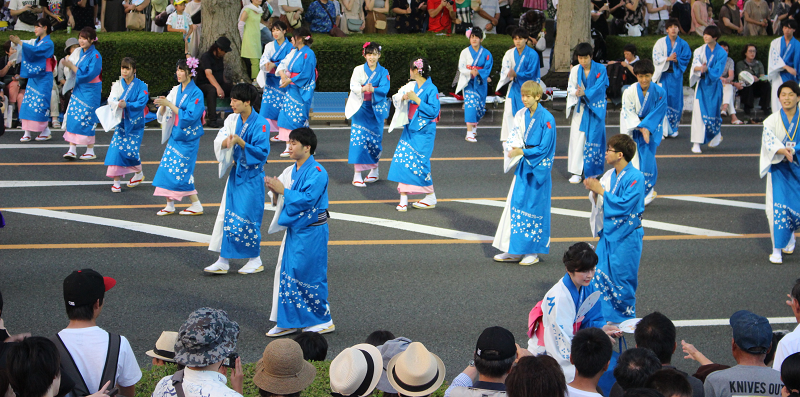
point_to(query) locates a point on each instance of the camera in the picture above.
(230, 361)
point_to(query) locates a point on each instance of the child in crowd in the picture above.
(180, 22)
(586, 90)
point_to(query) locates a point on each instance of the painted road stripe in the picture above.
(38, 145)
(55, 183)
(725, 321)
(709, 200)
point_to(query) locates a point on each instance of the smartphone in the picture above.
(113, 392)
(230, 361)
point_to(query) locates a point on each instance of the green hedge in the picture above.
(155, 55)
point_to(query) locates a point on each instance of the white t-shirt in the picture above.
(662, 15)
(181, 22)
(789, 345)
(19, 4)
(88, 347)
(288, 3)
(491, 7)
(573, 392)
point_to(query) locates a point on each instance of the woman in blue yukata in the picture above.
(37, 67)
(129, 98)
(367, 108)
(273, 97)
(474, 67)
(181, 114)
(298, 75)
(708, 64)
(417, 105)
(80, 118)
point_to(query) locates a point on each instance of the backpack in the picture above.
(69, 368)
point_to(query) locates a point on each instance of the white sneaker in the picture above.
(277, 331)
(217, 268)
(321, 328)
(506, 257)
(696, 148)
(574, 179)
(529, 259)
(254, 265)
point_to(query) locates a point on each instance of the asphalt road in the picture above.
(418, 282)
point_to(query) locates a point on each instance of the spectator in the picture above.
(440, 14)
(353, 16)
(730, 23)
(250, 31)
(14, 87)
(700, 17)
(321, 16)
(4, 335)
(211, 78)
(30, 7)
(682, 11)
(112, 16)
(657, 16)
(617, 23)
(158, 6)
(540, 5)
(88, 344)
(752, 337)
(487, 16)
(634, 13)
(55, 12)
(164, 351)
(634, 366)
(81, 14)
(657, 332)
(314, 346)
(409, 15)
(376, 11)
(758, 88)
(463, 16)
(193, 8)
(416, 372)
(728, 92)
(538, 376)
(205, 341)
(377, 338)
(289, 10)
(71, 45)
(281, 371)
(599, 25)
(780, 11)
(790, 375)
(266, 31)
(623, 77)
(495, 354)
(756, 17)
(389, 350)
(180, 22)
(32, 368)
(790, 344)
(533, 21)
(356, 370)
(591, 353)
(671, 383)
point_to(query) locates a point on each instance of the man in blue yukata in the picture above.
(617, 207)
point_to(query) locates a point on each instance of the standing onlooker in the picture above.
(211, 78)
(756, 17)
(289, 10)
(790, 344)
(353, 16)
(657, 16)
(193, 8)
(376, 11)
(616, 26)
(599, 25)
(250, 32)
(463, 17)
(55, 11)
(440, 15)
(759, 88)
(700, 17)
(487, 16)
(321, 15)
(634, 13)
(30, 7)
(780, 11)
(180, 22)
(81, 14)
(682, 11)
(506, 18)
(730, 23)
(158, 6)
(409, 15)
(112, 16)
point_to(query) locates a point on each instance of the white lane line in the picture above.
(134, 226)
(725, 321)
(38, 145)
(54, 183)
(646, 223)
(709, 200)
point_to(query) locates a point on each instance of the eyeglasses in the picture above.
(611, 150)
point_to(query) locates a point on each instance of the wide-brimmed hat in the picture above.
(416, 371)
(70, 42)
(282, 370)
(388, 350)
(165, 347)
(356, 370)
(207, 337)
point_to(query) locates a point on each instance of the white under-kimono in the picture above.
(783, 178)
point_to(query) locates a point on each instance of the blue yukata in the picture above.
(475, 91)
(274, 95)
(411, 163)
(366, 129)
(706, 117)
(783, 177)
(294, 113)
(526, 66)
(175, 173)
(781, 54)
(244, 192)
(587, 135)
(37, 67)
(301, 282)
(644, 110)
(80, 117)
(669, 75)
(123, 152)
(525, 224)
(620, 247)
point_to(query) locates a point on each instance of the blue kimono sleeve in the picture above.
(302, 198)
(656, 114)
(307, 73)
(138, 104)
(487, 67)
(547, 126)
(381, 88)
(625, 201)
(255, 152)
(684, 57)
(717, 67)
(191, 110)
(89, 69)
(597, 92)
(530, 70)
(594, 318)
(429, 108)
(37, 53)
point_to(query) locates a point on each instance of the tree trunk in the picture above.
(574, 20)
(221, 18)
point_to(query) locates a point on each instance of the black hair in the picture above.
(776, 337)
(656, 332)
(642, 392)
(245, 93)
(379, 337)
(182, 65)
(129, 63)
(539, 376)
(303, 32)
(7, 46)
(643, 66)
(724, 44)
(672, 22)
(634, 366)
(426, 67)
(305, 136)
(630, 47)
(88, 33)
(795, 292)
(790, 374)
(521, 33)
(493, 368)
(82, 312)
(747, 47)
(591, 351)
(580, 257)
(670, 383)
(476, 31)
(789, 23)
(32, 366)
(583, 49)
(712, 31)
(45, 23)
(792, 85)
(280, 25)
(624, 144)
(264, 393)
(372, 48)
(314, 345)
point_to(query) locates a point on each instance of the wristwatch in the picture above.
(471, 363)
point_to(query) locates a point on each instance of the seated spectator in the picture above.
(790, 376)
(634, 366)
(409, 15)
(376, 11)
(670, 382)
(789, 345)
(356, 370)
(657, 332)
(440, 15)
(591, 353)
(538, 376)
(682, 11)
(756, 17)
(492, 360)
(621, 77)
(211, 79)
(88, 344)
(760, 87)
(487, 16)
(389, 350)
(701, 18)
(164, 352)
(31, 7)
(321, 15)
(728, 91)
(376, 338)
(752, 337)
(657, 16)
(729, 21)
(205, 340)
(281, 371)
(314, 345)
(81, 13)
(415, 372)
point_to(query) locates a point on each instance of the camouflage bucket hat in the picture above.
(207, 337)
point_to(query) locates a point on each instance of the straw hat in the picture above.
(282, 370)
(165, 347)
(356, 370)
(416, 371)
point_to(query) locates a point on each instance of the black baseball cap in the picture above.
(85, 286)
(496, 343)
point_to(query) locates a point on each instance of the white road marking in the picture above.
(54, 183)
(38, 145)
(725, 321)
(710, 200)
(646, 223)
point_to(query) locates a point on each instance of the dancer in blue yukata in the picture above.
(708, 65)
(617, 207)
(80, 115)
(784, 60)
(242, 142)
(180, 114)
(300, 289)
(37, 66)
(779, 164)
(367, 107)
(671, 57)
(520, 64)
(586, 92)
(524, 229)
(474, 66)
(298, 76)
(644, 113)
(273, 97)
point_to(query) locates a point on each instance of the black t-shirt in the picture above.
(683, 13)
(216, 65)
(794, 13)
(84, 16)
(619, 13)
(601, 25)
